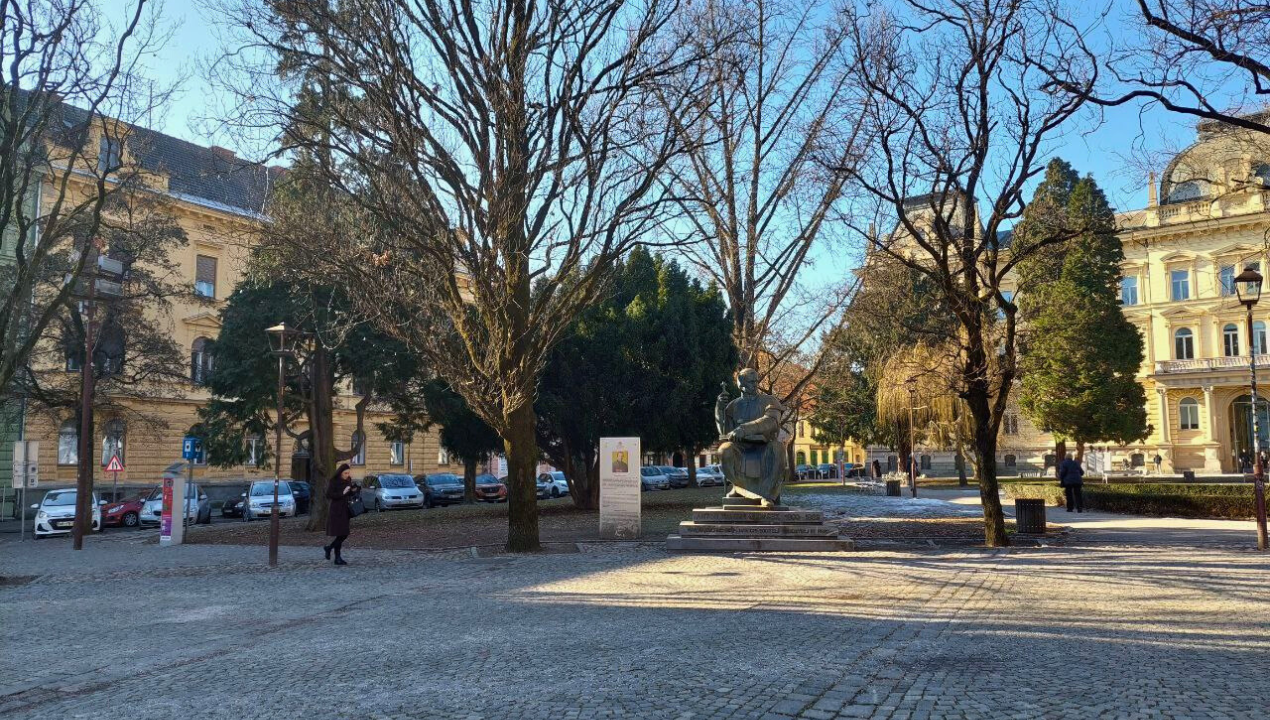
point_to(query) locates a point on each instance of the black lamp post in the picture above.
(911, 385)
(282, 342)
(1248, 287)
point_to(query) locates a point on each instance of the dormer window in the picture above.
(109, 154)
(1187, 191)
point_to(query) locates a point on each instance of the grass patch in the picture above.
(1199, 500)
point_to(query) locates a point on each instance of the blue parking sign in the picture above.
(192, 449)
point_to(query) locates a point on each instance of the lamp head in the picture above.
(1248, 286)
(282, 339)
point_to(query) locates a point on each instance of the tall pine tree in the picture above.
(1078, 374)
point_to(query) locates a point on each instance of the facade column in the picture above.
(1164, 414)
(1212, 447)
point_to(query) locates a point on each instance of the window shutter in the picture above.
(205, 270)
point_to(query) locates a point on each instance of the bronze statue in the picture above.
(752, 452)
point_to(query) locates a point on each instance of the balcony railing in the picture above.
(1164, 367)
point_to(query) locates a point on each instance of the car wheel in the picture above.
(378, 507)
(555, 492)
(130, 520)
(428, 503)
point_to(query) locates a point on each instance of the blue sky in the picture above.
(1103, 151)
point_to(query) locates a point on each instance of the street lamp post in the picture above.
(1248, 287)
(911, 384)
(282, 340)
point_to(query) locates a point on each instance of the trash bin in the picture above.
(1188, 476)
(892, 488)
(1029, 516)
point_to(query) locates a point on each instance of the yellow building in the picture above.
(217, 199)
(808, 450)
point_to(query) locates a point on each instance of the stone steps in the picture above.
(678, 543)
(715, 529)
(758, 517)
(746, 527)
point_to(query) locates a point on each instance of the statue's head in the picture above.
(747, 380)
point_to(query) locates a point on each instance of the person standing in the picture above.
(339, 492)
(1071, 476)
(1159, 462)
(877, 469)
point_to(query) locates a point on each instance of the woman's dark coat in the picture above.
(337, 513)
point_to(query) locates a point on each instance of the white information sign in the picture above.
(619, 488)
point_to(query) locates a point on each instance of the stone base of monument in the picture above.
(743, 525)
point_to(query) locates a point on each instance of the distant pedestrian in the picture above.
(1159, 462)
(1071, 477)
(339, 492)
(877, 470)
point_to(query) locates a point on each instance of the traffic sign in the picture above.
(192, 449)
(114, 465)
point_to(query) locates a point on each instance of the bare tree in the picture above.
(755, 200)
(508, 153)
(68, 77)
(958, 124)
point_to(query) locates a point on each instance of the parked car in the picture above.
(124, 513)
(859, 472)
(652, 478)
(489, 489)
(708, 476)
(828, 471)
(386, 492)
(300, 490)
(258, 500)
(233, 507)
(440, 489)
(55, 514)
(552, 485)
(197, 507)
(678, 476)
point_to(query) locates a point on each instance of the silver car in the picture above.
(386, 492)
(708, 476)
(652, 478)
(258, 500)
(198, 509)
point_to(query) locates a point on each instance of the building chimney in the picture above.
(1152, 199)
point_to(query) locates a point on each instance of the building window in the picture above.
(360, 386)
(925, 462)
(205, 276)
(112, 441)
(1129, 291)
(443, 456)
(800, 458)
(397, 453)
(200, 361)
(68, 444)
(254, 446)
(1011, 424)
(1010, 461)
(1259, 337)
(1137, 460)
(802, 429)
(1180, 280)
(1189, 190)
(109, 154)
(359, 448)
(1230, 340)
(1227, 275)
(1188, 413)
(815, 458)
(1183, 345)
(74, 357)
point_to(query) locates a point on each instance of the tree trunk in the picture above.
(1060, 452)
(321, 436)
(690, 463)
(521, 447)
(960, 460)
(1080, 451)
(985, 442)
(469, 481)
(791, 467)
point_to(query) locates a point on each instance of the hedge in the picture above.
(1175, 499)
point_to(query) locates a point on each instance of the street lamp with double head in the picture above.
(1248, 288)
(282, 343)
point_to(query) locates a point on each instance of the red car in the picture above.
(125, 513)
(489, 489)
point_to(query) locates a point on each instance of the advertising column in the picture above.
(171, 522)
(619, 488)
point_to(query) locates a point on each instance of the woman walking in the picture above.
(339, 492)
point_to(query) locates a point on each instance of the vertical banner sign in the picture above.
(619, 488)
(165, 520)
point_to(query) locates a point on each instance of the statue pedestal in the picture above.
(742, 525)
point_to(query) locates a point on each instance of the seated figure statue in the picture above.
(751, 450)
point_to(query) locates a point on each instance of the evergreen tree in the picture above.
(1078, 374)
(463, 433)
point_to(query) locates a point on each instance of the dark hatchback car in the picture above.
(233, 507)
(440, 489)
(678, 476)
(303, 495)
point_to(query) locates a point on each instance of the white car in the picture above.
(385, 492)
(197, 507)
(55, 514)
(652, 478)
(552, 485)
(258, 501)
(707, 476)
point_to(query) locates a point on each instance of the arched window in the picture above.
(925, 462)
(800, 458)
(1010, 461)
(1183, 344)
(200, 361)
(112, 441)
(1259, 337)
(1188, 413)
(1185, 191)
(359, 445)
(815, 457)
(1230, 340)
(68, 443)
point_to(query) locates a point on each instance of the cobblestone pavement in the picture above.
(124, 630)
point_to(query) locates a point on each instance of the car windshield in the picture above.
(444, 480)
(60, 498)
(396, 481)
(262, 489)
(485, 480)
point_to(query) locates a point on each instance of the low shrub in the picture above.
(1176, 499)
